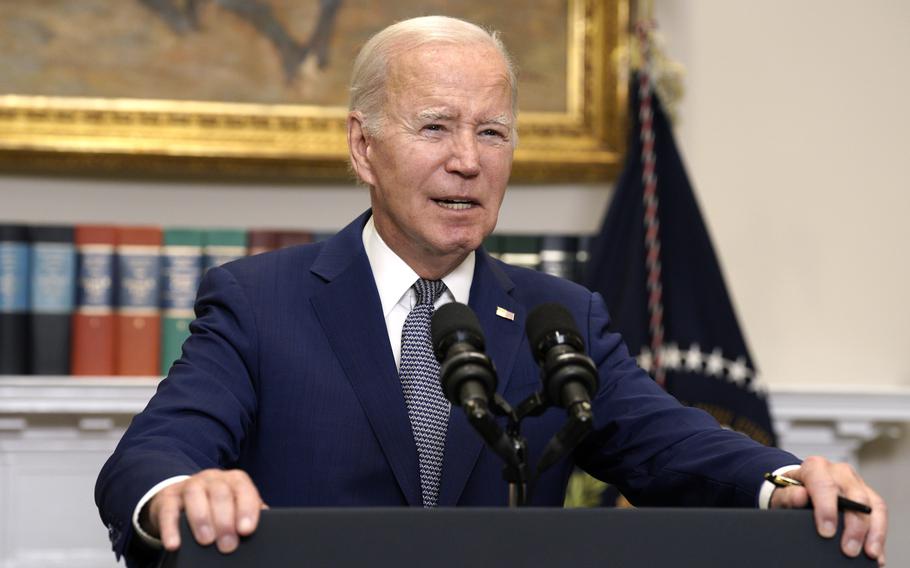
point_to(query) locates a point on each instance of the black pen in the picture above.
(843, 504)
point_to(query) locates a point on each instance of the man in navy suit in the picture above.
(288, 390)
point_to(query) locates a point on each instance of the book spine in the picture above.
(581, 258)
(223, 246)
(53, 284)
(320, 236)
(92, 351)
(557, 255)
(292, 238)
(181, 269)
(14, 301)
(521, 250)
(493, 245)
(261, 240)
(137, 319)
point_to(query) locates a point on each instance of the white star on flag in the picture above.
(694, 358)
(644, 360)
(715, 366)
(739, 371)
(671, 357)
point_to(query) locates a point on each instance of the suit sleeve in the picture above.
(200, 414)
(657, 451)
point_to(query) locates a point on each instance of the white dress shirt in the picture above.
(394, 281)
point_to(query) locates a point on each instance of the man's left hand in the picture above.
(822, 482)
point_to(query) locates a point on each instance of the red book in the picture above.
(265, 240)
(261, 240)
(93, 319)
(293, 238)
(137, 319)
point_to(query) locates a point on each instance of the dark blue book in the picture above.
(14, 272)
(557, 255)
(52, 263)
(582, 255)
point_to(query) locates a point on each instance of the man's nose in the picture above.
(465, 158)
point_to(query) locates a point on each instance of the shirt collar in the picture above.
(394, 277)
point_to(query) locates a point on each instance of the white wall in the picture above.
(795, 129)
(535, 209)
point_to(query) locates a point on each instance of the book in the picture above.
(261, 240)
(223, 246)
(557, 255)
(264, 240)
(137, 319)
(493, 245)
(320, 236)
(292, 238)
(52, 293)
(14, 301)
(520, 250)
(92, 351)
(581, 258)
(181, 270)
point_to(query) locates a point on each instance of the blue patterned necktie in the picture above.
(419, 372)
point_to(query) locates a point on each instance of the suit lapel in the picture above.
(349, 310)
(489, 291)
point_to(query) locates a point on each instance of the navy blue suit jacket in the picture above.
(288, 374)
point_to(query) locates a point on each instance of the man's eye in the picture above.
(434, 127)
(492, 132)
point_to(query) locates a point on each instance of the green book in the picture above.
(223, 245)
(493, 245)
(181, 270)
(521, 250)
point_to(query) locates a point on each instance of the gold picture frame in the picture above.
(131, 136)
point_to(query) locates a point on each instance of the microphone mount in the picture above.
(468, 379)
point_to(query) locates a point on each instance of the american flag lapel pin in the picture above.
(504, 313)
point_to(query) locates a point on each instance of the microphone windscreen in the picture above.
(546, 319)
(454, 317)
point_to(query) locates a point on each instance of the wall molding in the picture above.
(836, 421)
(75, 395)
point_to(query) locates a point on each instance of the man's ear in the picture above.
(358, 146)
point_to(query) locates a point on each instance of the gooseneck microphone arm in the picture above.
(569, 376)
(468, 380)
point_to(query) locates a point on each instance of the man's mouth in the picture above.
(455, 204)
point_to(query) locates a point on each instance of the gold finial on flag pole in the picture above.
(667, 75)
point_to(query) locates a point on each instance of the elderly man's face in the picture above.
(441, 164)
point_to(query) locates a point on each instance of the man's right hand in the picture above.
(220, 506)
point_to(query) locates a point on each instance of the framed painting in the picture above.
(258, 88)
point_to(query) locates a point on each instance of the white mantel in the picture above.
(55, 434)
(835, 421)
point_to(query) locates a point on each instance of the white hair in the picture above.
(368, 80)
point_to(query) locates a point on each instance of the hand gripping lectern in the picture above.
(526, 538)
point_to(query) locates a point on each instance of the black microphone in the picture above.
(569, 376)
(467, 375)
